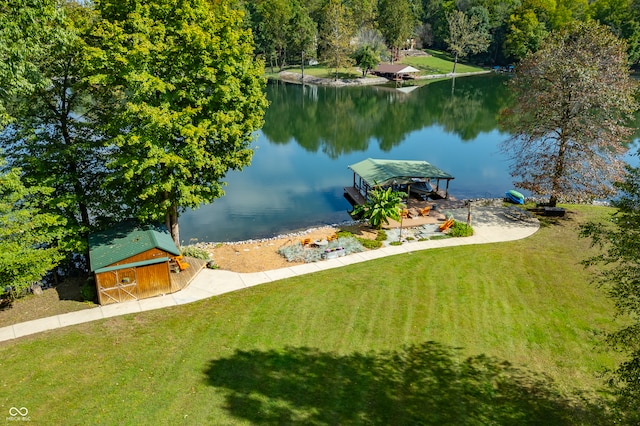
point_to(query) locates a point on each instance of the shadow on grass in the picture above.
(420, 384)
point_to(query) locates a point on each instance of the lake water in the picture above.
(312, 134)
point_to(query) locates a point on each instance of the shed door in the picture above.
(118, 286)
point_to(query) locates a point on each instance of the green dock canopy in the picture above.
(390, 172)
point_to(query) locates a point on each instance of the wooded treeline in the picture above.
(293, 31)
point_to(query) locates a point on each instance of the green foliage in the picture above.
(366, 58)
(28, 236)
(466, 35)
(381, 235)
(344, 234)
(195, 252)
(460, 229)
(26, 29)
(396, 21)
(189, 98)
(525, 34)
(370, 244)
(55, 136)
(382, 205)
(619, 242)
(573, 98)
(88, 291)
(336, 32)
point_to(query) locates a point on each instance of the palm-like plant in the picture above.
(382, 205)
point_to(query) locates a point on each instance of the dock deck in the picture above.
(356, 198)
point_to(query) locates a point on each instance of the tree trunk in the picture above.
(557, 173)
(171, 221)
(455, 62)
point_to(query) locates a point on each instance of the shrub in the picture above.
(195, 252)
(460, 229)
(88, 291)
(370, 244)
(344, 234)
(382, 235)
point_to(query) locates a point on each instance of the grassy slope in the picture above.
(312, 348)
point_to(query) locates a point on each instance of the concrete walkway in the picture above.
(490, 225)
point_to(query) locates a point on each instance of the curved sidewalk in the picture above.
(490, 225)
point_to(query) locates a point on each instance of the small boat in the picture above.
(422, 189)
(514, 196)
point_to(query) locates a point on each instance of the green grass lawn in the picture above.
(438, 63)
(489, 334)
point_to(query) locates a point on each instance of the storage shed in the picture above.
(131, 262)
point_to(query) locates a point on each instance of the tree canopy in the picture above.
(28, 236)
(512, 27)
(466, 36)
(336, 32)
(573, 98)
(619, 244)
(189, 98)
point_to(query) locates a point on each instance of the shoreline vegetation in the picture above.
(433, 65)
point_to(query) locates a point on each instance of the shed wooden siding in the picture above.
(151, 280)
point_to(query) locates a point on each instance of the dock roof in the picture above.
(395, 69)
(388, 172)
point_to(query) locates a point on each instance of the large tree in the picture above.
(28, 236)
(573, 98)
(619, 275)
(190, 97)
(303, 33)
(53, 133)
(274, 29)
(397, 22)
(336, 32)
(466, 35)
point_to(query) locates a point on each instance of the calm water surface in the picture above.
(312, 134)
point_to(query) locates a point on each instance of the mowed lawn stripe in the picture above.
(226, 359)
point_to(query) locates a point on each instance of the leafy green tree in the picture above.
(54, 133)
(28, 236)
(189, 97)
(364, 13)
(276, 16)
(623, 17)
(381, 205)
(619, 275)
(337, 29)
(525, 34)
(397, 22)
(573, 98)
(435, 15)
(303, 33)
(366, 58)
(25, 28)
(465, 36)
(567, 11)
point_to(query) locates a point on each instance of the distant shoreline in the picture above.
(296, 78)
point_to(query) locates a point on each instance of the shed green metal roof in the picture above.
(388, 172)
(126, 240)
